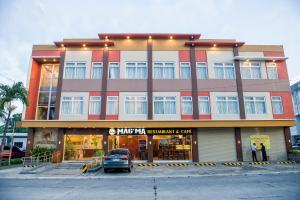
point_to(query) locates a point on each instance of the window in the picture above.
(75, 70)
(224, 71)
(255, 105)
(18, 144)
(114, 70)
(227, 105)
(201, 71)
(164, 105)
(136, 70)
(95, 105)
(277, 105)
(272, 71)
(136, 105)
(251, 70)
(164, 70)
(203, 105)
(97, 70)
(72, 105)
(187, 105)
(185, 70)
(112, 105)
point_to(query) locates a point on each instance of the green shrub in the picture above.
(100, 153)
(41, 150)
(294, 151)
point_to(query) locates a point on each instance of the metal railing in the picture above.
(37, 160)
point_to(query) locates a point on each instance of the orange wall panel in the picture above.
(200, 56)
(114, 56)
(281, 65)
(33, 90)
(97, 56)
(288, 110)
(184, 56)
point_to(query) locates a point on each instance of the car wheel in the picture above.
(105, 170)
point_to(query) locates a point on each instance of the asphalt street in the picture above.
(280, 186)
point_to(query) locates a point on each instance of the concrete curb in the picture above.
(141, 177)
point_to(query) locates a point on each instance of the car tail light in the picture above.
(125, 158)
(106, 158)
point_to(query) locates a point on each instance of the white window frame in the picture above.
(273, 100)
(72, 100)
(164, 104)
(136, 66)
(91, 101)
(255, 100)
(225, 65)
(189, 66)
(109, 66)
(135, 99)
(206, 70)
(208, 103)
(250, 66)
(97, 67)
(75, 69)
(227, 100)
(164, 66)
(183, 100)
(272, 65)
(116, 99)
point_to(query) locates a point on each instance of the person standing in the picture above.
(253, 150)
(263, 152)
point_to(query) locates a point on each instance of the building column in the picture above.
(150, 80)
(104, 84)
(194, 83)
(30, 141)
(195, 153)
(287, 137)
(238, 144)
(59, 84)
(150, 148)
(60, 144)
(105, 141)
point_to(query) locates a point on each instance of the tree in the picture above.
(8, 95)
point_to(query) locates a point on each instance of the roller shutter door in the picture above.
(216, 144)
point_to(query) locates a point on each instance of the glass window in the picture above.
(72, 105)
(164, 70)
(224, 71)
(203, 105)
(75, 70)
(272, 71)
(136, 105)
(187, 105)
(164, 105)
(97, 70)
(255, 105)
(277, 105)
(136, 70)
(227, 105)
(201, 71)
(185, 70)
(251, 70)
(112, 105)
(114, 70)
(95, 105)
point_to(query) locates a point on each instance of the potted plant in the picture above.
(294, 155)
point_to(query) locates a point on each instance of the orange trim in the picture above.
(200, 56)
(186, 117)
(204, 117)
(288, 110)
(186, 93)
(112, 117)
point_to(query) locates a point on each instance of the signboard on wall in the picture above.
(258, 139)
(150, 131)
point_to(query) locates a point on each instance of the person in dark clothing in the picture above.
(253, 150)
(263, 152)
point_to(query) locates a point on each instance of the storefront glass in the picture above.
(136, 144)
(82, 147)
(172, 147)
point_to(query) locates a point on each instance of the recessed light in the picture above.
(273, 60)
(105, 45)
(54, 60)
(150, 37)
(215, 45)
(62, 45)
(44, 60)
(247, 60)
(84, 45)
(171, 37)
(128, 37)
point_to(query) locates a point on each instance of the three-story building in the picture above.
(162, 96)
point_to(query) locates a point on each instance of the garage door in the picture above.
(277, 143)
(216, 144)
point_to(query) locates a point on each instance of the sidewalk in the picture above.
(73, 171)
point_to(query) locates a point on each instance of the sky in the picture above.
(27, 22)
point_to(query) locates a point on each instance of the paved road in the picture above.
(281, 186)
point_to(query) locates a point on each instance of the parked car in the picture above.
(16, 153)
(117, 159)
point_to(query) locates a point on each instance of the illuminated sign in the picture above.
(168, 131)
(130, 131)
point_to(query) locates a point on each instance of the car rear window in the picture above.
(118, 151)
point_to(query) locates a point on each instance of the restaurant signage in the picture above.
(150, 131)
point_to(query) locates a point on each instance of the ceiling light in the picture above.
(84, 45)
(54, 60)
(171, 37)
(215, 45)
(150, 37)
(247, 60)
(273, 60)
(105, 45)
(106, 37)
(62, 45)
(128, 37)
(44, 60)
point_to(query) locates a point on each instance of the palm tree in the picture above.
(8, 95)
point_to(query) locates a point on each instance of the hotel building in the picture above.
(162, 96)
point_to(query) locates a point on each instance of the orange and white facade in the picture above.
(162, 96)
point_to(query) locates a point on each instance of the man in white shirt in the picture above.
(253, 150)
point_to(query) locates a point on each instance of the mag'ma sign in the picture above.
(127, 131)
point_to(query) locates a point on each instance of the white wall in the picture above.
(122, 114)
(217, 56)
(167, 56)
(176, 116)
(80, 56)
